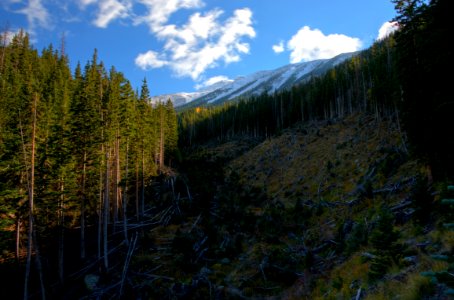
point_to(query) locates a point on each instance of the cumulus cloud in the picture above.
(310, 44)
(212, 81)
(199, 44)
(150, 60)
(204, 40)
(279, 48)
(386, 29)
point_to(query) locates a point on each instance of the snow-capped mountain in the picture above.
(183, 98)
(255, 84)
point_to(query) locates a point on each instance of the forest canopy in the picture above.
(75, 149)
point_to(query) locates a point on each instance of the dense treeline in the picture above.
(75, 150)
(424, 60)
(366, 82)
(401, 76)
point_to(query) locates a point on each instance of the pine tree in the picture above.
(68, 148)
(383, 239)
(171, 138)
(445, 277)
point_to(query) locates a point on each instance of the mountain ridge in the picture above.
(263, 81)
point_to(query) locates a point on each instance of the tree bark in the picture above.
(142, 189)
(61, 239)
(125, 195)
(82, 208)
(118, 176)
(116, 193)
(18, 227)
(31, 189)
(137, 191)
(161, 141)
(100, 206)
(106, 213)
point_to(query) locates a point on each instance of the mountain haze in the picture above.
(269, 81)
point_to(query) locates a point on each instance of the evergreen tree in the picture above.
(86, 137)
(445, 277)
(171, 137)
(423, 56)
(383, 239)
(69, 146)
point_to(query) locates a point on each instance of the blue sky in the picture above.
(183, 45)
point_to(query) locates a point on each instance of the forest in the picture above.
(76, 150)
(104, 195)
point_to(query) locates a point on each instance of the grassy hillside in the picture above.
(326, 210)
(326, 185)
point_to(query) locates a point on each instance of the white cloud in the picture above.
(386, 29)
(37, 15)
(202, 42)
(159, 11)
(108, 10)
(279, 48)
(212, 81)
(6, 37)
(149, 59)
(310, 44)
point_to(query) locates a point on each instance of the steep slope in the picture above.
(327, 161)
(270, 81)
(319, 193)
(326, 210)
(293, 217)
(316, 195)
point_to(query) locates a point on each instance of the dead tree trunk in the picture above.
(82, 208)
(31, 188)
(18, 229)
(116, 187)
(142, 188)
(125, 194)
(118, 176)
(161, 141)
(137, 191)
(106, 213)
(61, 238)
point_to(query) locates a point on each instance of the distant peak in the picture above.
(219, 89)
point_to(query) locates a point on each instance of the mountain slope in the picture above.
(182, 98)
(293, 217)
(254, 84)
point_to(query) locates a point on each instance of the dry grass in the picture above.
(327, 163)
(323, 167)
(318, 161)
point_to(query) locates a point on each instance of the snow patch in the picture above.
(259, 82)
